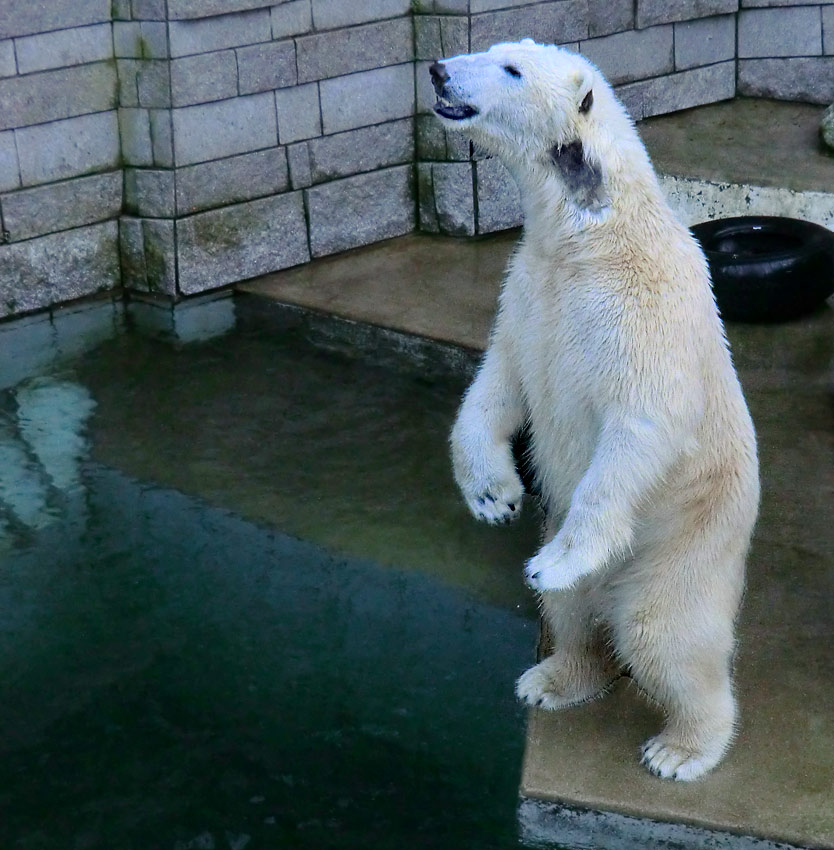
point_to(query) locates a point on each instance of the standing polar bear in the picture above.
(608, 347)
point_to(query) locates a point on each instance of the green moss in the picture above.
(156, 267)
(223, 230)
(143, 48)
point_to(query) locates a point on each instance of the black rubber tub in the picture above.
(767, 268)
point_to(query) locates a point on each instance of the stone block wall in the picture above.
(260, 135)
(660, 55)
(60, 168)
(177, 146)
(786, 50)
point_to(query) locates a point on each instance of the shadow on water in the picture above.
(242, 607)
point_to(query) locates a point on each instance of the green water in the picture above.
(242, 605)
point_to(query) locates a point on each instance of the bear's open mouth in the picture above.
(454, 111)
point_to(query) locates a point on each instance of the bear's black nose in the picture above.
(439, 76)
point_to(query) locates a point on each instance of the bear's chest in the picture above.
(564, 342)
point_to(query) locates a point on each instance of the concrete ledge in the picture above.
(548, 823)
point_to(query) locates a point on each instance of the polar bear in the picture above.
(607, 346)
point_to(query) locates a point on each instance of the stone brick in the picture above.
(241, 241)
(127, 41)
(476, 6)
(298, 158)
(360, 210)
(9, 167)
(203, 78)
(64, 48)
(450, 7)
(231, 180)
(759, 3)
(140, 40)
(148, 255)
(346, 51)
(454, 36)
(127, 71)
(371, 97)
(430, 138)
(23, 17)
(132, 254)
(299, 113)
(454, 201)
(427, 212)
(53, 95)
(458, 147)
(424, 91)
(159, 244)
(135, 133)
(162, 137)
(499, 202)
(828, 30)
(292, 18)
(808, 79)
(632, 55)
(215, 130)
(150, 10)
(779, 32)
(437, 36)
(184, 9)
(70, 148)
(689, 88)
(332, 14)
(8, 66)
(704, 41)
(631, 97)
(153, 83)
(60, 267)
(121, 10)
(609, 16)
(263, 67)
(652, 12)
(367, 149)
(150, 192)
(207, 34)
(558, 22)
(61, 206)
(427, 41)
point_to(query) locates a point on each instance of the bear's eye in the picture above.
(512, 71)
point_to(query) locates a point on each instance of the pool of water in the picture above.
(242, 605)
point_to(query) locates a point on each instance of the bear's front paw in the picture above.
(556, 568)
(496, 503)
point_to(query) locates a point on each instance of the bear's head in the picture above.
(533, 105)
(520, 95)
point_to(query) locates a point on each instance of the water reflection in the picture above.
(42, 448)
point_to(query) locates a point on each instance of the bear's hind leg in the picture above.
(699, 728)
(678, 645)
(581, 667)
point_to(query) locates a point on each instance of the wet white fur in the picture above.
(607, 341)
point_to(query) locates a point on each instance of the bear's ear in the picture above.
(582, 179)
(584, 80)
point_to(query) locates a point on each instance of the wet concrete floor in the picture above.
(754, 141)
(778, 781)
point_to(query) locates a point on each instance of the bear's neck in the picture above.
(554, 210)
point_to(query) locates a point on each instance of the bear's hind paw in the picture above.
(669, 761)
(553, 684)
